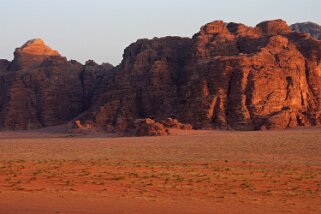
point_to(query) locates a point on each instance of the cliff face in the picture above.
(246, 78)
(145, 85)
(228, 76)
(40, 88)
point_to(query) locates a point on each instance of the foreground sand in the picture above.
(192, 172)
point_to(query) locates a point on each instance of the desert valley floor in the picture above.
(190, 172)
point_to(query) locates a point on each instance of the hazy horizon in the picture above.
(101, 30)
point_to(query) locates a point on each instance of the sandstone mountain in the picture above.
(40, 88)
(227, 76)
(308, 27)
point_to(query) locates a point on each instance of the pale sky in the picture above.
(102, 29)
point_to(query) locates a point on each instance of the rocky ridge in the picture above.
(227, 76)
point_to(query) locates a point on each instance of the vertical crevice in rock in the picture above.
(85, 98)
(139, 103)
(38, 104)
(289, 86)
(312, 104)
(248, 96)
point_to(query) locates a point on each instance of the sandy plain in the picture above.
(189, 172)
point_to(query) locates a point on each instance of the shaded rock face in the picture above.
(228, 76)
(4, 64)
(40, 88)
(145, 85)
(308, 27)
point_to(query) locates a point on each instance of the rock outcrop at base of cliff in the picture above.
(137, 127)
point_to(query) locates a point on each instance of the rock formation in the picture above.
(227, 76)
(311, 28)
(40, 88)
(32, 54)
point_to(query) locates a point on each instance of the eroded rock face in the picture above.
(40, 88)
(228, 76)
(145, 85)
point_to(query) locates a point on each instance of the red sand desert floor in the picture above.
(191, 172)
